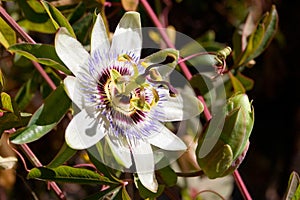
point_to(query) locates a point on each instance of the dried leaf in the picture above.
(8, 162)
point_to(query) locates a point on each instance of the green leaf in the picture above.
(68, 174)
(121, 194)
(204, 59)
(64, 154)
(7, 34)
(42, 53)
(82, 27)
(10, 120)
(45, 118)
(247, 82)
(168, 176)
(10, 115)
(260, 38)
(125, 195)
(237, 44)
(100, 166)
(33, 11)
(237, 85)
(45, 27)
(78, 12)
(6, 103)
(31, 133)
(45, 89)
(202, 83)
(58, 19)
(145, 193)
(254, 41)
(1, 81)
(27, 91)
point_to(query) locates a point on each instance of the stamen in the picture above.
(128, 58)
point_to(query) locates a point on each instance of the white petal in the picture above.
(128, 35)
(84, 130)
(165, 139)
(120, 152)
(70, 51)
(99, 39)
(71, 87)
(178, 108)
(144, 164)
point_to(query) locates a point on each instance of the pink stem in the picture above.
(241, 185)
(188, 75)
(14, 25)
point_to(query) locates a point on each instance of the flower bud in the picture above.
(232, 145)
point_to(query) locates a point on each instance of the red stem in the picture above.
(188, 75)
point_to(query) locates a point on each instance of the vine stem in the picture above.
(32, 157)
(14, 25)
(238, 179)
(241, 185)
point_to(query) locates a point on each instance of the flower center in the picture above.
(127, 96)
